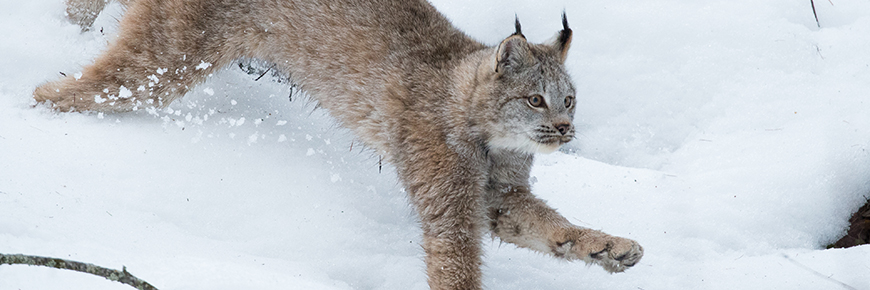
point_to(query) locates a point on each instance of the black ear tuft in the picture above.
(563, 40)
(513, 51)
(518, 26)
(565, 21)
(565, 34)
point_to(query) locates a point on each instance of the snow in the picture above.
(124, 92)
(203, 65)
(728, 137)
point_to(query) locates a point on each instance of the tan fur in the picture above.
(459, 120)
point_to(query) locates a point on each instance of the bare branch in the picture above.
(118, 276)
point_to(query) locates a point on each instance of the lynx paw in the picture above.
(51, 94)
(68, 95)
(615, 254)
(618, 254)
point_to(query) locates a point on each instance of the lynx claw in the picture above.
(618, 255)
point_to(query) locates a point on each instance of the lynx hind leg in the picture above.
(116, 82)
(520, 218)
(92, 92)
(147, 66)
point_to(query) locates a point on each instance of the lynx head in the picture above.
(532, 93)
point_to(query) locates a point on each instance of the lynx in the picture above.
(459, 120)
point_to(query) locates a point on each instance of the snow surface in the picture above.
(728, 137)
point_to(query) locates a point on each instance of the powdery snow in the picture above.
(728, 137)
(202, 65)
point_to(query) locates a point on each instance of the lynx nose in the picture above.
(563, 128)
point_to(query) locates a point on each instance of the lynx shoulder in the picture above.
(458, 119)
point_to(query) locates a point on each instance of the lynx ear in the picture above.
(513, 52)
(563, 39)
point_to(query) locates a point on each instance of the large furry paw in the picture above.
(615, 254)
(71, 95)
(618, 254)
(51, 95)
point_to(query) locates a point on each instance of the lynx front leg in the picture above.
(516, 216)
(451, 238)
(447, 193)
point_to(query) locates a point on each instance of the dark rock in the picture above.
(859, 229)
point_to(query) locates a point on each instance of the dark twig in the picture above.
(264, 73)
(293, 90)
(118, 276)
(813, 4)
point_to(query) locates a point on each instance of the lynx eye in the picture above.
(569, 101)
(536, 101)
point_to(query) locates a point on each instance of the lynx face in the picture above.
(535, 98)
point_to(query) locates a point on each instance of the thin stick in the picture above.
(114, 275)
(813, 4)
(270, 68)
(844, 285)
